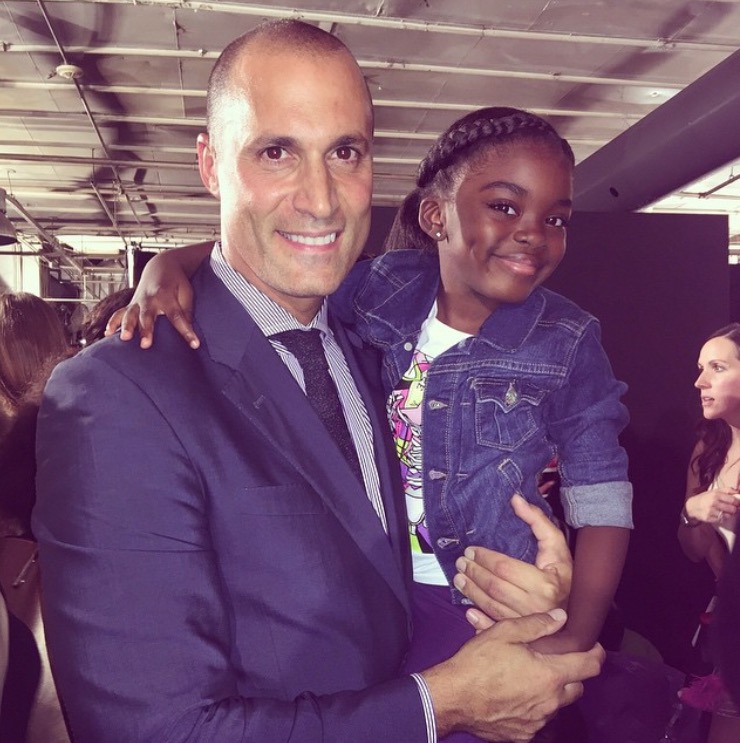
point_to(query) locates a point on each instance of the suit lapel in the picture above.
(266, 394)
(364, 365)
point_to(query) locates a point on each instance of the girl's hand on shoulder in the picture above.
(164, 289)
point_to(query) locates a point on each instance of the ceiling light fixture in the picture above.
(69, 71)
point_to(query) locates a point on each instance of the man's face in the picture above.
(291, 162)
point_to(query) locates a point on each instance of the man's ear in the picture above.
(431, 218)
(207, 164)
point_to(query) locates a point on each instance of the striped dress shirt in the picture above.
(271, 318)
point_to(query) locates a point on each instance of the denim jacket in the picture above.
(533, 384)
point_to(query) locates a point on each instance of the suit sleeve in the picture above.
(136, 620)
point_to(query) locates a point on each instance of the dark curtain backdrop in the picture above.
(659, 283)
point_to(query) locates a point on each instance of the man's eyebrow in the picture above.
(351, 139)
(276, 141)
(344, 140)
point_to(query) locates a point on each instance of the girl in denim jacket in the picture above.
(489, 375)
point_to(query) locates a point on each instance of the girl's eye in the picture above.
(561, 222)
(503, 207)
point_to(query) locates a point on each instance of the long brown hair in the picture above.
(31, 338)
(715, 434)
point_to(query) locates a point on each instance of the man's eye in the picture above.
(346, 153)
(274, 153)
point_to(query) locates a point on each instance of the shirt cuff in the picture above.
(426, 703)
(601, 504)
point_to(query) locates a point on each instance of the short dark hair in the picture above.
(286, 31)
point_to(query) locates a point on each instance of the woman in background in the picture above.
(31, 338)
(709, 516)
(32, 341)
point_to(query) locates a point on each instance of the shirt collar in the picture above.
(270, 317)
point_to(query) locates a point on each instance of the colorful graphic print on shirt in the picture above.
(405, 405)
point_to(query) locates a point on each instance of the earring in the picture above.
(438, 234)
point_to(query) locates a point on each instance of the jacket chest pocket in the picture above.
(507, 412)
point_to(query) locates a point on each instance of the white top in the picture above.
(405, 405)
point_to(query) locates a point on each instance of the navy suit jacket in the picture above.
(212, 570)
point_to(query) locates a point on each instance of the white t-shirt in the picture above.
(405, 405)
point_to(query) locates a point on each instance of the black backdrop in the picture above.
(659, 283)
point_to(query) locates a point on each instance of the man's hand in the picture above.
(498, 688)
(503, 587)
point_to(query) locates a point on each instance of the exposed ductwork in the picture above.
(690, 135)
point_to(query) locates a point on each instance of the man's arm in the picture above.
(498, 688)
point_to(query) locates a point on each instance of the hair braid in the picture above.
(492, 126)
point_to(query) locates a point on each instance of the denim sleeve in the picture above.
(585, 418)
(342, 301)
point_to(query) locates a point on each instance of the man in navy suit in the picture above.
(214, 569)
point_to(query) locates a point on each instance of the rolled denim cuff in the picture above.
(601, 504)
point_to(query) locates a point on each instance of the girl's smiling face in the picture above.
(505, 226)
(719, 380)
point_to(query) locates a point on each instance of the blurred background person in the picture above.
(93, 327)
(31, 337)
(709, 516)
(32, 341)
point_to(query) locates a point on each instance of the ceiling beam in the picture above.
(689, 136)
(396, 64)
(403, 24)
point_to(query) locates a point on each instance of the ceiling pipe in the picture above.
(689, 136)
(262, 11)
(369, 64)
(55, 247)
(85, 106)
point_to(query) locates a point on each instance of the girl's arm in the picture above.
(597, 569)
(164, 289)
(584, 419)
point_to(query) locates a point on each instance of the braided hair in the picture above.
(455, 148)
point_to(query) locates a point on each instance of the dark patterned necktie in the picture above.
(321, 391)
